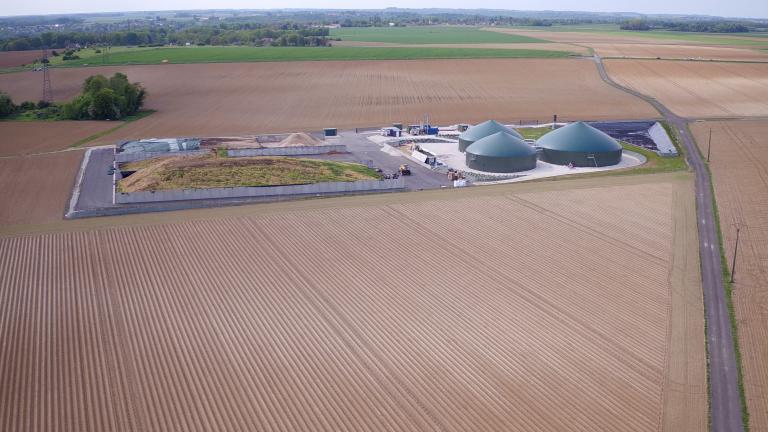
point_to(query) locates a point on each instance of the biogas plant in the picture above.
(492, 152)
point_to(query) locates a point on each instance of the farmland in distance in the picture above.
(428, 35)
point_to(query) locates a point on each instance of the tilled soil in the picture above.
(698, 89)
(681, 52)
(22, 138)
(256, 98)
(36, 189)
(553, 308)
(18, 58)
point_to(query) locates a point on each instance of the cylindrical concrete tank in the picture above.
(482, 130)
(581, 145)
(501, 152)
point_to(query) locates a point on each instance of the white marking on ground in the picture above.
(80, 175)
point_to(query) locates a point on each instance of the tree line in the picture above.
(695, 26)
(223, 34)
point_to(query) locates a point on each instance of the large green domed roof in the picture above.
(501, 144)
(578, 137)
(486, 128)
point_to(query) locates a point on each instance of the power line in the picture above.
(735, 250)
(47, 89)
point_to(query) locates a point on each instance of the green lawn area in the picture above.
(90, 56)
(428, 35)
(533, 133)
(656, 163)
(257, 54)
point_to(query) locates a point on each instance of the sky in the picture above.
(730, 8)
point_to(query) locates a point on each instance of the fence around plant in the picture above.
(138, 156)
(288, 151)
(261, 191)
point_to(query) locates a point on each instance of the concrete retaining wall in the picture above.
(247, 192)
(288, 151)
(132, 157)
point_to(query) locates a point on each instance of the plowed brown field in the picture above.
(21, 138)
(698, 89)
(18, 58)
(232, 99)
(599, 37)
(679, 52)
(739, 165)
(560, 306)
(35, 189)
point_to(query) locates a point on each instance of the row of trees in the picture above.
(8, 108)
(225, 34)
(478, 20)
(636, 25)
(102, 99)
(698, 26)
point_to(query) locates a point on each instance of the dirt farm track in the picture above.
(226, 99)
(739, 165)
(556, 311)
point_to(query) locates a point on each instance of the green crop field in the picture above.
(428, 35)
(255, 54)
(89, 55)
(584, 28)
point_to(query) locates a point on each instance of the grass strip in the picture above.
(132, 118)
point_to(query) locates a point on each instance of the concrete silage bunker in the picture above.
(581, 145)
(482, 130)
(501, 152)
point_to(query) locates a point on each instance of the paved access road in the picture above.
(96, 187)
(725, 403)
(364, 149)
